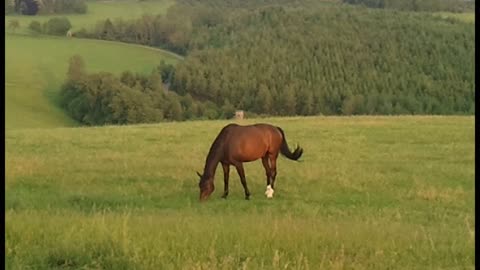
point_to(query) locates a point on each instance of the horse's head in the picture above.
(206, 186)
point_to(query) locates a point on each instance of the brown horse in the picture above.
(237, 144)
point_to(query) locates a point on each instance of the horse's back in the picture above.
(248, 143)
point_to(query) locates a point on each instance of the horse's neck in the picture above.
(212, 161)
(211, 167)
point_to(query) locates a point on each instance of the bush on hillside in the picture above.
(57, 26)
(35, 26)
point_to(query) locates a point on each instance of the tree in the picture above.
(304, 102)
(108, 32)
(174, 110)
(288, 101)
(57, 26)
(35, 26)
(13, 24)
(264, 100)
(76, 68)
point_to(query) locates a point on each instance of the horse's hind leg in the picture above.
(226, 172)
(241, 173)
(273, 168)
(268, 172)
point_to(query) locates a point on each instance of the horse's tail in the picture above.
(286, 151)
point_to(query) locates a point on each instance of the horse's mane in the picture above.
(215, 147)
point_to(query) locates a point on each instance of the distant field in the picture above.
(466, 17)
(370, 193)
(100, 10)
(36, 68)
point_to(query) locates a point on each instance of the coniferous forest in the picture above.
(283, 58)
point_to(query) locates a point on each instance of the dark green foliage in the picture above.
(35, 26)
(26, 7)
(167, 72)
(335, 62)
(57, 26)
(32, 7)
(102, 98)
(265, 59)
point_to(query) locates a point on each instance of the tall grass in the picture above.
(370, 193)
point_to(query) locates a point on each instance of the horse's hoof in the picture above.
(247, 198)
(224, 196)
(269, 192)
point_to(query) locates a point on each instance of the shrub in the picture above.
(57, 26)
(35, 26)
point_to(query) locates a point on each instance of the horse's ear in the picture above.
(199, 174)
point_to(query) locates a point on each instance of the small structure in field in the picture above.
(69, 34)
(239, 114)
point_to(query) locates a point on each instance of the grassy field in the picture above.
(370, 193)
(100, 10)
(466, 17)
(36, 67)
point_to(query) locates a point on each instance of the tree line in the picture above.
(33, 7)
(329, 60)
(103, 98)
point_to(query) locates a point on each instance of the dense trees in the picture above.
(346, 61)
(102, 98)
(55, 26)
(294, 61)
(32, 7)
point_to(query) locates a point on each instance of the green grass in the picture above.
(100, 10)
(465, 17)
(36, 68)
(370, 193)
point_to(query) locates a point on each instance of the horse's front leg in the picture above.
(226, 173)
(241, 173)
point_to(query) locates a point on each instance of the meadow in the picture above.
(468, 17)
(99, 11)
(369, 193)
(36, 67)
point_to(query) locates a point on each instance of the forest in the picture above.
(289, 61)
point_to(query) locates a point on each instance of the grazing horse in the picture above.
(236, 144)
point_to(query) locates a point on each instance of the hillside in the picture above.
(36, 67)
(334, 60)
(301, 58)
(99, 10)
(369, 193)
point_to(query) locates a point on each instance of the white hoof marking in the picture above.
(269, 192)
